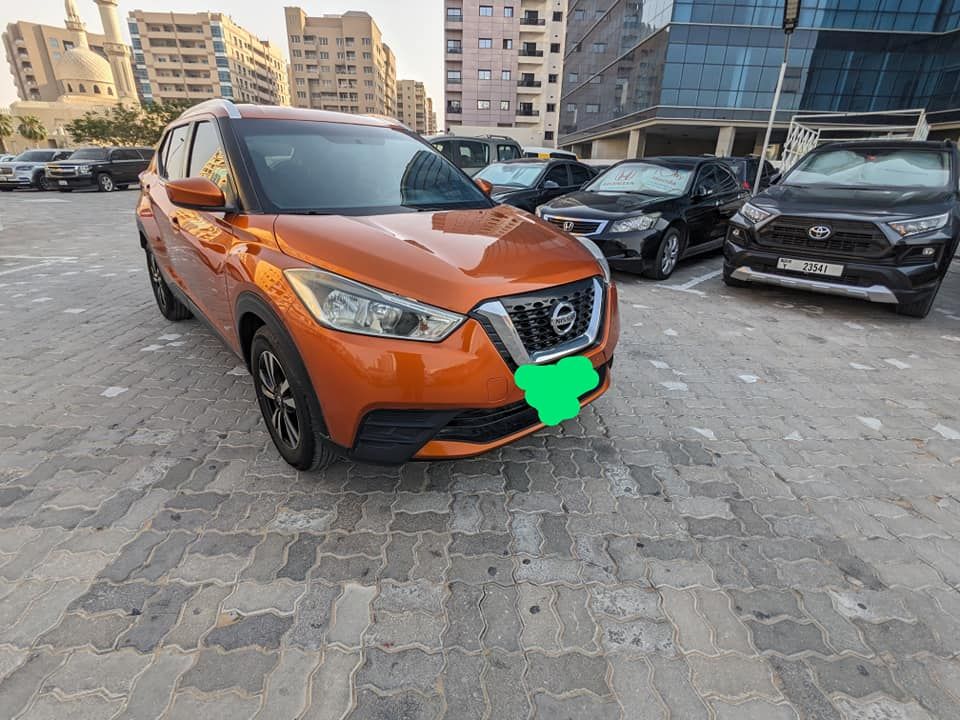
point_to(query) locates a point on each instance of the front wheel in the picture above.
(105, 183)
(919, 308)
(169, 306)
(668, 255)
(288, 403)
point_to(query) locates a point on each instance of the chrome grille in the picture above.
(58, 172)
(6, 171)
(576, 227)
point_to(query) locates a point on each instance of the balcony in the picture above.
(524, 113)
(454, 51)
(529, 83)
(454, 18)
(454, 109)
(537, 22)
(523, 52)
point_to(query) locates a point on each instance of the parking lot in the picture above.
(759, 521)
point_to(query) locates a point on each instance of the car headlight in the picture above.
(919, 225)
(84, 170)
(598, 254)
(539, 210)
(632, 224)
(342, 304)
(753, 213)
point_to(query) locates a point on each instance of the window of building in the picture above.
(219, 47)
(508, 11)
(453, 76)
(596, 79)
(486, 43)
(571, 107)
(579, 14)
(367, 56)
(554, 47)
(508, 44)
(598, 47)
(300, 81)
(505, 75)
(366, 41)
(557, 16)
(552, 78)
(483, 104)
(548, 135)
(484, 75)
(296, 53)
(504, 104)
(486, 10)
(323, 41)
(573, 77)
(551, 107)
(454, 13)
(592, 108)
(294, 38)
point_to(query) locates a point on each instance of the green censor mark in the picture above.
(554, 390)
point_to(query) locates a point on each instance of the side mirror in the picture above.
(550, 185)
(484, 185)
(196, 193)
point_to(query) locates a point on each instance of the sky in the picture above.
(412, 28)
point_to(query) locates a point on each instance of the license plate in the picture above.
(810, 267)
(61, 182)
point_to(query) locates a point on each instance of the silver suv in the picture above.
(27, 169)
(472, 154)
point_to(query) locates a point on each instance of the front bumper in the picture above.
(74, 183)
(16, 181)
(879, 281)
(626, 251)
(389, 402)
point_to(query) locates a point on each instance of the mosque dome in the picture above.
(82, 66)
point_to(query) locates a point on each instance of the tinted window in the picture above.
(707, 180)
(507, 152)
(174, 153)
(126, 155)
(350, 169)
(207, 159)
(145, 153)
(35, 156)
(873, 167)
(95, 154)
(471, 154)
(558, 174)
(579, 174)
(726, 181)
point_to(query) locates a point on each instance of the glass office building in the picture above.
(646, 77)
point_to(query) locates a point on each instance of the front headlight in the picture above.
(598, 254)
(754, 214)
(539, 210)
(919, 225)
(632, 224)
(342, 304)
(84, 170)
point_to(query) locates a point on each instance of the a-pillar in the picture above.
(637, 144)
(725, 141)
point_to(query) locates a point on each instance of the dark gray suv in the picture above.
(472, 154)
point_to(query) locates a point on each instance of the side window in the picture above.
(727, 182)
(126, 155)
(558, 174)
(174, 153)
(471, 154)
(507, 152)
(444, 149)
(207, 159)
(579, 175)
(707, 180)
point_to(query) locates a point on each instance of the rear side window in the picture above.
(579, 174)
(558, 174)
(507, 152)
(726, 180)
(126, 155)
(146, 153)
(207, 159)
(174, 154)
(471, 154)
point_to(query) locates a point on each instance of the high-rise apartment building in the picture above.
(504, 60)
(340, 63)
(32, 54)
(415, 108)
(198, 56)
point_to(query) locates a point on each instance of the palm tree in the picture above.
(6, 128)
(31, 128)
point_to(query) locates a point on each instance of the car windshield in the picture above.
(873, 167)
(341, 168)
(34, 156)
(90, 154)
(643, 179)
(512, 174)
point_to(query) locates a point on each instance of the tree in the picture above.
(6, 128)
(31, 128)
(126, 125)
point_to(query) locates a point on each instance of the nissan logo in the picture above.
(563, 319)
(567, 226)
(820, 232)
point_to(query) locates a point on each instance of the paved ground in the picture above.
(760, 521)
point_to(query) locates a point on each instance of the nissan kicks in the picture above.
(380, 299)
(877, 220)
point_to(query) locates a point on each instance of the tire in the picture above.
(121, 187)
(105, 183)
(65, 189)
(919, 308)
(167, 303)
(287, 402)
(731, 281)
(668, 255)
(46, 184)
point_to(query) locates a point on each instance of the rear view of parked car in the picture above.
(646, 215)
(471, 154)
(878, 221)
(528, 183)
(106, 169)
(26, 170)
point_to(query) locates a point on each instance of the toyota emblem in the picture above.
(567, 226)
(820, 232)
(563, 319)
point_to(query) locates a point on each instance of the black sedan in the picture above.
(646, 215)
(531, 182)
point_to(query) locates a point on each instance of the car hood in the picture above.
(789, 200)
(452, 259)
(588, 204)
(502, 191)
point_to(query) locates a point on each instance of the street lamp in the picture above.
(791, 14)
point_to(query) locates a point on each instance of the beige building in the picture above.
(504, 67)
(76, 80)
(415, 108)
(340, 63)
(198, 56)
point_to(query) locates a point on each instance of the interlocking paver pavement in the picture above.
(761, 520)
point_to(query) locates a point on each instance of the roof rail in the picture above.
(497, 137)
(214, 104)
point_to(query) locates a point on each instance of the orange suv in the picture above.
(379, 298)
